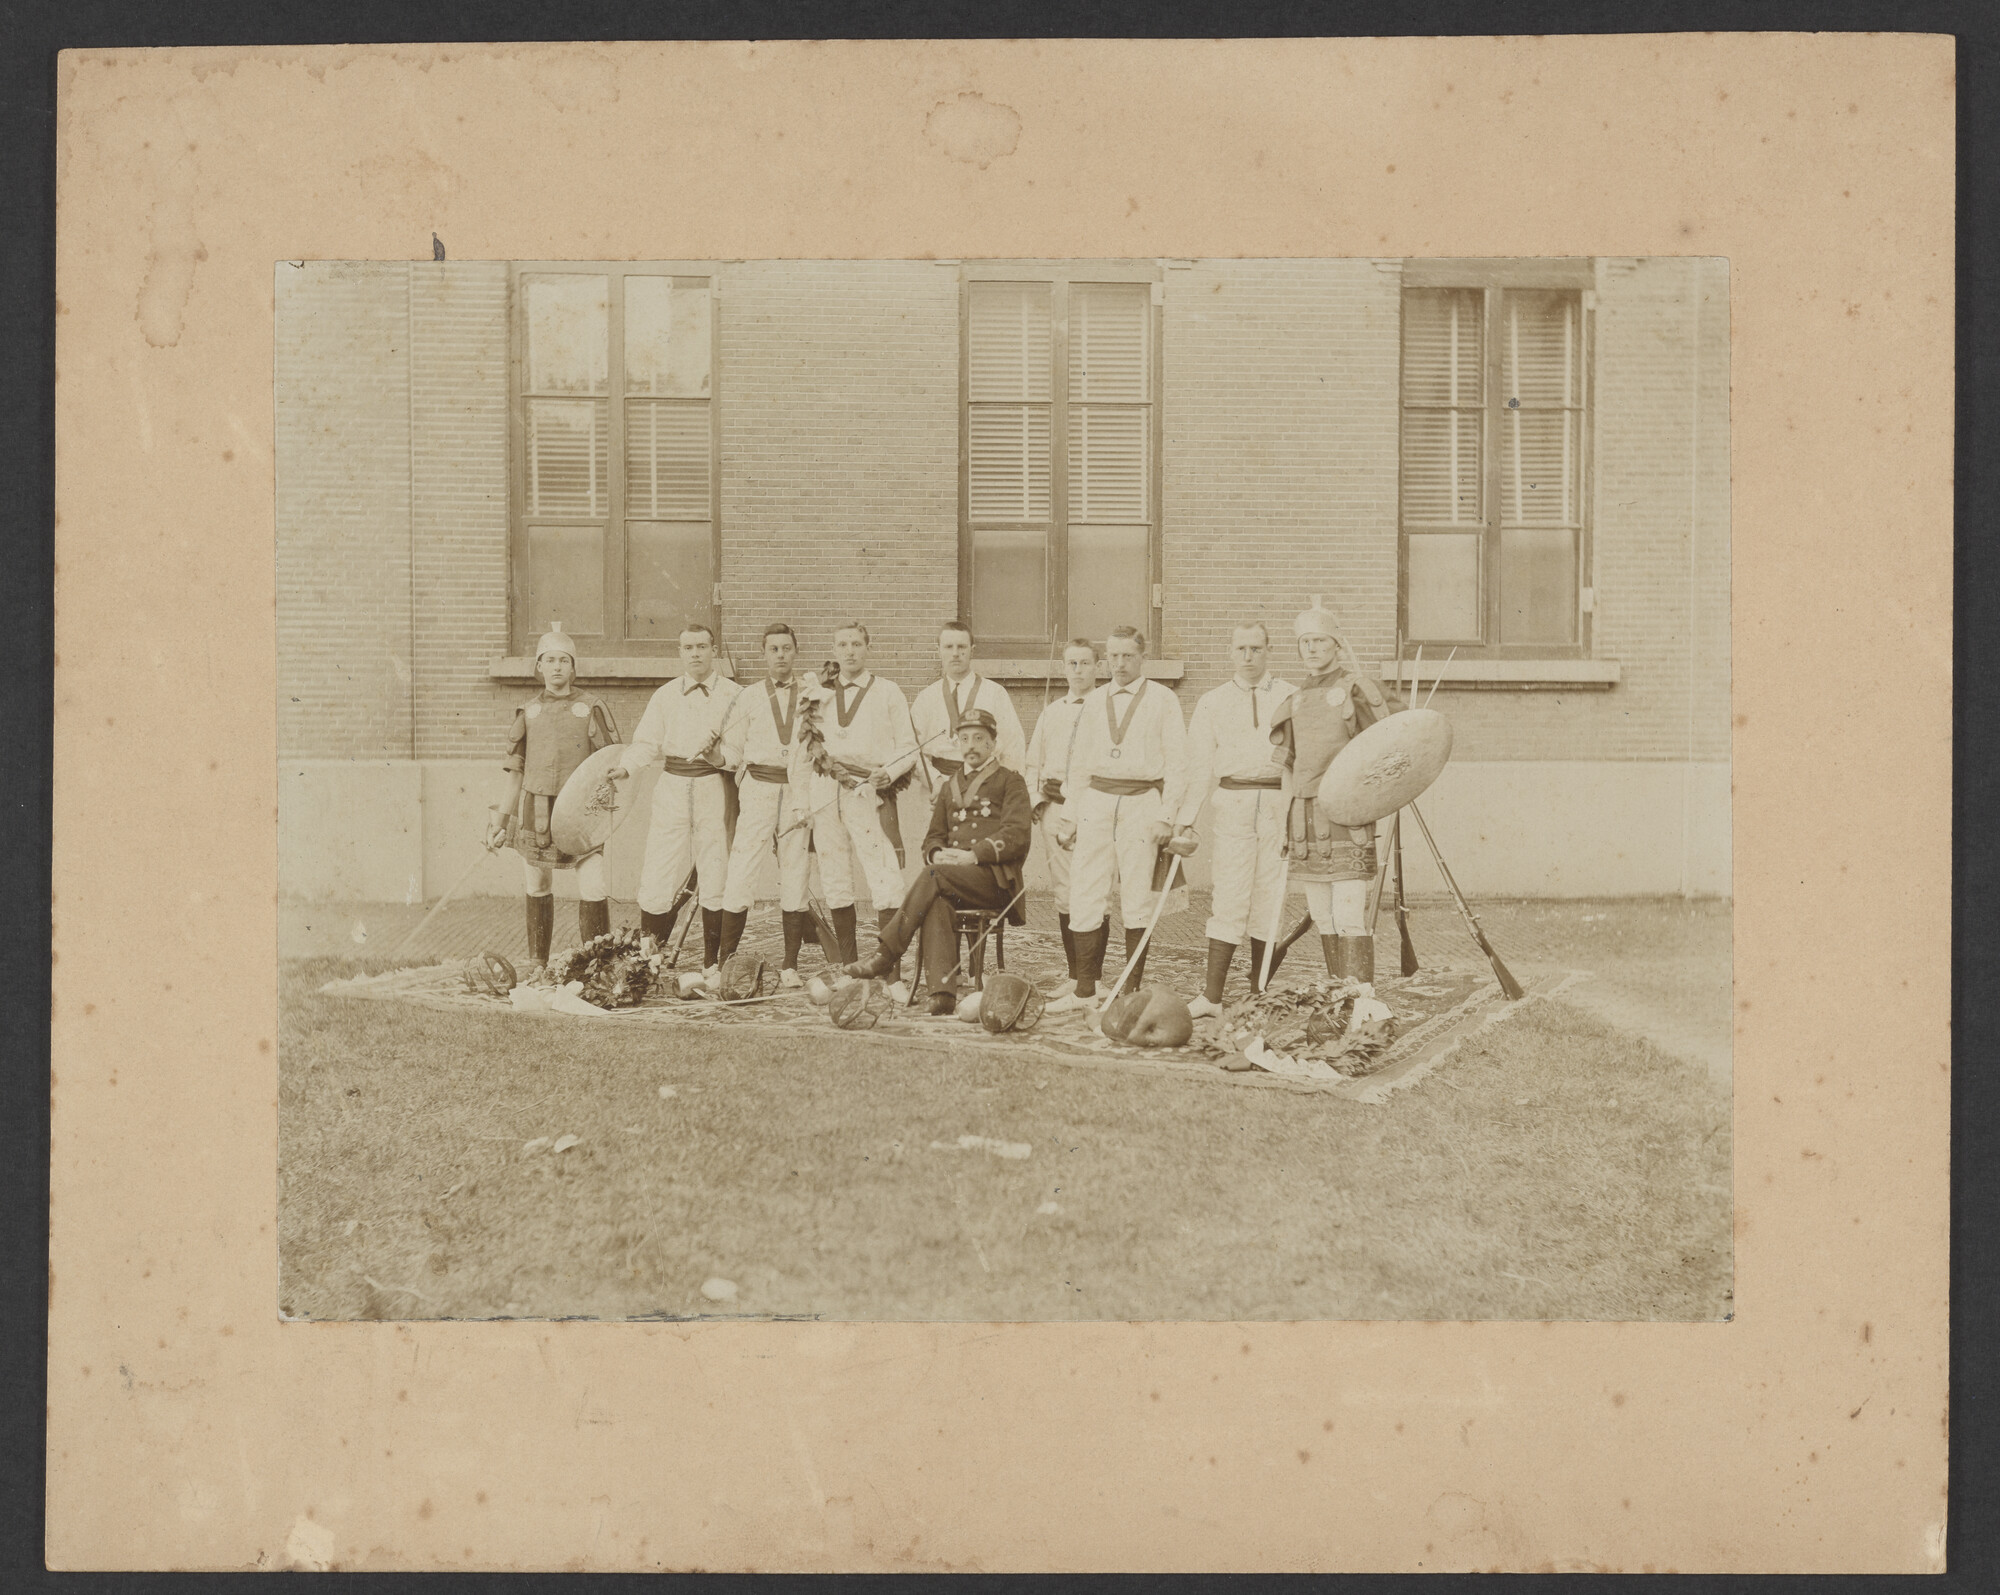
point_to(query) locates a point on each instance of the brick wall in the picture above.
(342, 402)
(838, 396)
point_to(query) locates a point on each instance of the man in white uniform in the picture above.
(681, 731)
(1128, 778)
(1233, 765)
(1049, 753)
(778, 796)
(940, 707)
(866, 724)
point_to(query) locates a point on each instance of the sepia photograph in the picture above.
(1004, 790)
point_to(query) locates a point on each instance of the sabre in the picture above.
(1440, 680)
(857, 783)
(484, 853)
(981, 942)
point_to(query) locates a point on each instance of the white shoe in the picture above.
(1066, 989)
(898, 993)
(789, 979)
(711, 979)
(1070, 1002)
(690, 985)
(1202, 1008)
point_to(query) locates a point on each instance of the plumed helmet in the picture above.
(488, 975)
(1316, 621)
(741, 976)
(1008, 1002)
(851, 1008)
(555, 641)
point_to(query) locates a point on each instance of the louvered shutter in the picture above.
(567, 477)
(669, 454)
(1442, 460)
(1540, 447)
(1109, 460)
(1010, 399)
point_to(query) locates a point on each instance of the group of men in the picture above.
(808, 766)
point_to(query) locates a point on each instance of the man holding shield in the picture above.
(1336, 863)
(553, 733)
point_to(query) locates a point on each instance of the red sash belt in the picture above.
(775, 774)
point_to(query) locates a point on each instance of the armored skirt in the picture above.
(1309, 729)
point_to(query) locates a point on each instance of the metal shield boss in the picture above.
(1387, 766)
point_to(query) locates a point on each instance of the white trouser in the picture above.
(1113, 832)
(589, 878)
(1246, 830)
(855, 819)
(687, 832)
(762, 813)
(1338, 908)
(1058, 856)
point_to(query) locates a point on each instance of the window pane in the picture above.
(1542, 359)
(1010, 581)
(667, 459)
(1008, 462)
(1010, 341)
(1441, 476)
(568, 458)
(1108, 583)
(566, 579)
(1107, 463)
(1538, 461)
(669, 577)
(667, 339)
(569, 325)
(1444, 587)
(1538, 586)
(1109, 327)
(1441, 348)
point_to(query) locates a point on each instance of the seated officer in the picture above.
(972, 855)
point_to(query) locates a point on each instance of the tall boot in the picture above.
(843, 927)
(1336, 956)
(541, 928)
(895, 971)
(1132, 940)
(593, 917)
(795, 935)
(1358, 957)
(711, 936)
(1069, 944)
(1220, 953)
(732, 932)
(658, 926)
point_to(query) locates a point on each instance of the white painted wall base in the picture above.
(395, 831)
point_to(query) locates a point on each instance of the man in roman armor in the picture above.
(978, 839)
(941, 707)
(681, 732)
(778, 795)
(1334, 704)
(1048, 761)
(553, 733)
(1234, 767)
(866, 725)
(1127, 780)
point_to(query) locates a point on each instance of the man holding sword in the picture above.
(1128, 779)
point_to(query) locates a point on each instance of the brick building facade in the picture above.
(1282, 415)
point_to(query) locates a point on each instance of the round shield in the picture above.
(1390, 764)
(591, 804)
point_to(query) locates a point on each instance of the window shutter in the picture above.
(1010, 337)
(667, 457)
(1442, 382)
(567, 455)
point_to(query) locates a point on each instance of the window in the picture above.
(614, 524)
(1059, 454)
(1495, 454)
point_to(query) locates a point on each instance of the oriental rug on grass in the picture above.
(1433, 1010)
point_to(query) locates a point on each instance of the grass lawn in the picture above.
(1555, 1168)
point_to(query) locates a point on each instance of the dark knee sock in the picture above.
(843, 927)
(711, 936)
(541, 927)
(1090, 945)
(1132, 940)
(795, 935)
(883, 918)
(1336, 962)
(732, 932)
(658, 926)
(1069, 945)
(1219, 955)
(593, 918)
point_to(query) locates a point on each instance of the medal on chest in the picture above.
(1117, 753)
